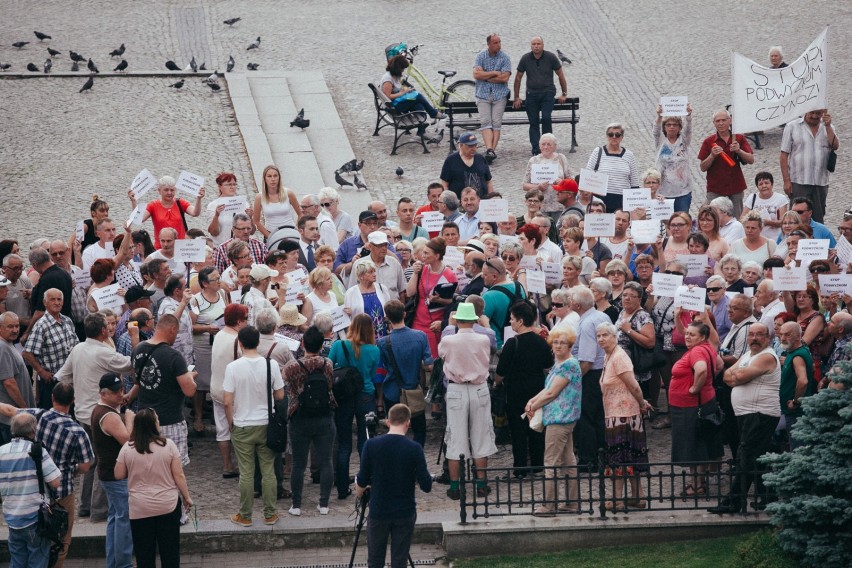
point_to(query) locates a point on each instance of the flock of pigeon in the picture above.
(76, 59)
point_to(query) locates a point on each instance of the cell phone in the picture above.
(190, 368)
(364, 252)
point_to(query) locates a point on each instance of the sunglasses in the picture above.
(714, 289)
(509, 258)
(557, 304)
(818, 269)
(615, 134)
(326, 204)
(674, 272)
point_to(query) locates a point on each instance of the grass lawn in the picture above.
(711, 553)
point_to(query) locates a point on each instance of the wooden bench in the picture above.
(464, 114)
(403, 122)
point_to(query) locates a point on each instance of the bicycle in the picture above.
(460, 91)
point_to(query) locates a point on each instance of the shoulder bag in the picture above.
(52, 521)
(710, 414)
(411, 304)
(644, 360)
(414, 398)
(348, 381)
(276, 430)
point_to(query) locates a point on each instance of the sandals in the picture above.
(619, 507)
(691, 491)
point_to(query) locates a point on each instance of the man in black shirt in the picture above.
(539, 66)
(52, 276)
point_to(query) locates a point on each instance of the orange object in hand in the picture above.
(728, 159)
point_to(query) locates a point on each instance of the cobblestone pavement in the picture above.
(623, 60)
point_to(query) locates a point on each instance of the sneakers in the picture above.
(238, 519)
(295, 511)
(322, 510)
(270, 520)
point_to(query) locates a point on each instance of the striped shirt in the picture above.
(19, 482)
(808, 154)
(51, 341)
(622, 169)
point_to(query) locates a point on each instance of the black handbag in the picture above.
(276, 430)
(644, 360)
(348, 381)
(52, 517)
(411, 305)
(832, 161)
(710, 414)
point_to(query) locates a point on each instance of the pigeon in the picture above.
(436, 139)
(360, 183)
(75, 66)
(88, 85)
(193, 64)
(203, 66)
(340, 181)
(47, 65)
(32, 67)
(41, 36)
(92, 67)
(300, 120)
(53, 52)
(399, 171)
(172, 66)
(562, 57)
(349, 166)
(232, 21)
(76, 57)
(117, 52)
(252, 66)
(215, 87)
(20, 44)
(359, 166)
(177, 85)
(121, 66)
(231, 64)
(254, 45)
(5, 66)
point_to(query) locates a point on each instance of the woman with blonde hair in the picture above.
(357, 350)
(680, 224)
(277, 204)
(324, 256)
(754, 246)
(321, 299)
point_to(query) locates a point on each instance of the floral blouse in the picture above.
(565, 408)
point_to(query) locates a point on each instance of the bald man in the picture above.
(723, 179)
(797, 375)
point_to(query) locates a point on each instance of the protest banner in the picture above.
(432, 220)
(552, 272)
(189, 183)
(673, 106)
(547, 172)
(690, 298)
(107, 298)
(812, 249)
(536, 282)
(637, 198)
(82, 278)
(494, 210)
(143, 183)
(599, 225)
(135, 217)
(666, 285)
(190, 250)
(695, 263)
(339, 319)
(662, 209)
(834, 284)
(789, 278)
(645, 232)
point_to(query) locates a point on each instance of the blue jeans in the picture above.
(419, 103)
(27, 549)
(683, 203)
(539, 103)
(119, 536)
(363, 403)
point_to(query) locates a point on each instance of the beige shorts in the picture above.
(469, 428)
(223, 433)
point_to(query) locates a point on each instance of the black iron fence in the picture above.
(661, 486)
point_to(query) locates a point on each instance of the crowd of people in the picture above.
(114, 347)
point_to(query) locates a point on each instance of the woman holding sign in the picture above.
(103, 275)
(547, 168)
(618, 163)
(277, 204)
(672, 139)
(168, 211)
(429, 273)
(207, 312)
(221, 222)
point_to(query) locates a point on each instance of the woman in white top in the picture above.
(276, 204)
(672, 138)
(618, 163)
(769, 204)
(562, 316)
(175, 301)
(321, 298)
(221, 222)
(548, 157)
(754, 246)
(207, 311)
(330, 202)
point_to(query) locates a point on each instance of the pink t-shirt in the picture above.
(617, 399)
(152, 487)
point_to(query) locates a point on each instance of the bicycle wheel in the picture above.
(461, 91)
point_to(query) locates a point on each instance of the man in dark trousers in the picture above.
(390, 465)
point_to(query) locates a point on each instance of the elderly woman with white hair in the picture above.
(367, 296)
(672, 138)
(618, 163)
(716, 288)
(549, 157)
(601, 289)
(776, 57)
(561, 315)
(168, 211)
(330, 203)
(731, 268)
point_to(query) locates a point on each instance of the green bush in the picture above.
(761, 550)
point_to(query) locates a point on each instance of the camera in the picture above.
(371, 420)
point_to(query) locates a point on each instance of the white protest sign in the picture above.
(432, 220)
(190, 250)
(540, 173)
(494, 210)
(599, 225)
(339, 319)
(673, 106)
(107, 298)
(236, 296)
(297, 283)
(645, 232)
(662, 209)
(695, 263)
(453, 257)
(764, 98)
(812, 249)
(135, 216)
(690, 298)
(189, 183)
(529, 262)
(143, 183)
(666, 285)
(834, 283)
(748, 291)
(536, 282)
(594, 182)
(507, 239)
(293, 344)
(552, 272)
(636, 198)
(82, 278)
(790, 278)
(234, 204)
(79, 233)
(844, 252)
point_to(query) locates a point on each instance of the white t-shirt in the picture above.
(95, 252)
(768, 209)
(175, 266)
(246, 379)
(618, 249)
(226, 223)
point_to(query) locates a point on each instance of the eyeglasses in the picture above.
(714, 289)
(843, 229)
(615, 134)
(212, 280)
(818, 269)
(396, 238)
(248, 255)
(326, 204)
(557, 304)
(677, 225)
(673, 272)
(798, 234)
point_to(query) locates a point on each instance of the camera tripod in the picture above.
(361, 504)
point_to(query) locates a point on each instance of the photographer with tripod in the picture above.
(390, 466)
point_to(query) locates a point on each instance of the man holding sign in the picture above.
(721, 155)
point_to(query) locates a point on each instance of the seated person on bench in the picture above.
(405, 99)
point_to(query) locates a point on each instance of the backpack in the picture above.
(315, 399)
(348, 381)
(513, 299)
